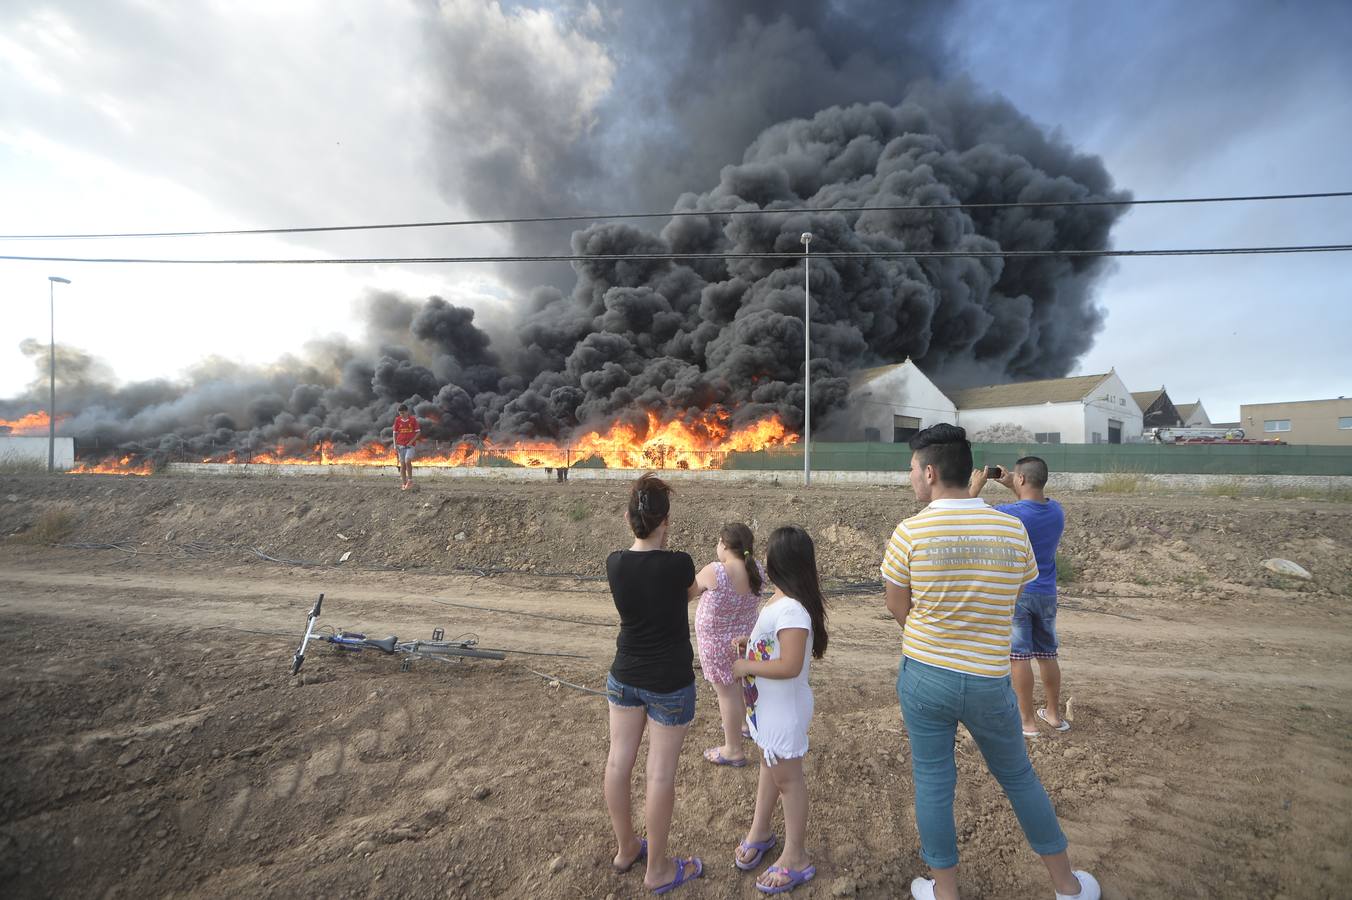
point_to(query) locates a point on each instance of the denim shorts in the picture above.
(404, 454)
(1034, 633)
(676, 708)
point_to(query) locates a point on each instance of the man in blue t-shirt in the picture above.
(1034, 631)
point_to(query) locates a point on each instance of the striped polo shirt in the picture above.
(965, 564)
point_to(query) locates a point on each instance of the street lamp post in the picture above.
(52, 281)
(807, 359)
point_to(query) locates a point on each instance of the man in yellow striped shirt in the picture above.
(952, 574)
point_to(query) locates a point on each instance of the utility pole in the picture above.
(807, 359)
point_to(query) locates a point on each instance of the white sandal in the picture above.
(1042, 714)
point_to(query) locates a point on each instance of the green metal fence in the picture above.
(1145, 459)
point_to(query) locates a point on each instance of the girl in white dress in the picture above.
(774, 664)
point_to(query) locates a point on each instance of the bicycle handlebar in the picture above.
(299, 659)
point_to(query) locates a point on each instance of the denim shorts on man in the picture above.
(1034, 632)
(404, 453)
(676, 708)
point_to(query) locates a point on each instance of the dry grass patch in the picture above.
(51, 527)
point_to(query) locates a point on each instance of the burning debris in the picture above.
(31, 423)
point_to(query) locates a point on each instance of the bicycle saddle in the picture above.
(386, 645)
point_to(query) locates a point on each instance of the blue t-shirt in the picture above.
(1044, 523)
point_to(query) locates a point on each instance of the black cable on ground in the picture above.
(529, 615)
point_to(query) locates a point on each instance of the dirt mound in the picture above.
(1183, 542)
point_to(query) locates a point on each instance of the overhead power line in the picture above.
(696, 257)
(680, 213)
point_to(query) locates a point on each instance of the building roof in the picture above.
(1027, 393)
(1146, 399)
(864, 376)
(1185, 410)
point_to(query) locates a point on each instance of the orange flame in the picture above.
(701, 442)
(33, 423)
(126, 465)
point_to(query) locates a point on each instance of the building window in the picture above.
(1272, 426)
(1345, 423)
(1048, 437)
(904, 428)
(1095, 437)
(1122, 401)
(872, 435)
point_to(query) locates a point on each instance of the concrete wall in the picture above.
(26, 449)
(1312, 421)
(1059, 481)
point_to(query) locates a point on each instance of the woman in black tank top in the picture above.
(651, 683)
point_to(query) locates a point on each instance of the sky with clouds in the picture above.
(133, 115)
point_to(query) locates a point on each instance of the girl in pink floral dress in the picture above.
(727, 611)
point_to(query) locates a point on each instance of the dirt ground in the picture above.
(152, 742)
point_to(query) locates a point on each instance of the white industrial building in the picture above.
(891, 403)
(1193, 415)
(1086, 409)
(25, 450)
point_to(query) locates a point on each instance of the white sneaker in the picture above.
(922, 889)
(1089, 888)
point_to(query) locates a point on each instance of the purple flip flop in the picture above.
(642, 855)
(795, 878)
(759, 846)
(681, 878)
(715, 756)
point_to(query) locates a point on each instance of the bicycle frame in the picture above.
(437, 648)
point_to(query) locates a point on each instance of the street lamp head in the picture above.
(806, 238)
(58, 279)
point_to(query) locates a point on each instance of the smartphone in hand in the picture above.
(995, 472)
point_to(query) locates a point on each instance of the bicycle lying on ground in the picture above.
(437, 648)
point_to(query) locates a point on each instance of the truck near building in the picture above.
(1201, 435)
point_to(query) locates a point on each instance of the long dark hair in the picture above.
(791, 562)
(649, 504)
(739, 539)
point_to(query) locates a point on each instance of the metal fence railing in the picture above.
(1144, 459)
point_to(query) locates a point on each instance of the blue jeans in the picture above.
(676, 708)
(1033, 635)
(933, 702)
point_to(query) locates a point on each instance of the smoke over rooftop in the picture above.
(828, 110)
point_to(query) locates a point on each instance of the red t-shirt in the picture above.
(406, 430)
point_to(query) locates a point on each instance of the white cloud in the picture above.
(128, 116)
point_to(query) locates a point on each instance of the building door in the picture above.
(1114, 431)
(904, 428)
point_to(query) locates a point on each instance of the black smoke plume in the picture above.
(683, 338)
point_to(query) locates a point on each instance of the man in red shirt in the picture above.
(406, 433)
